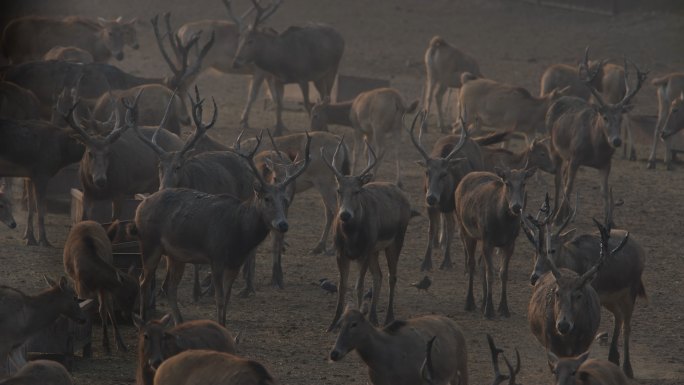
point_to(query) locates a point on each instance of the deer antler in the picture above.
(461, 140)
(372, 160)
(498, 377)
(132, 121)
(641, 77)
(420, 115)
(200, 127)
(590, 76)
(250, 159)
(307, 160)
(332, 166)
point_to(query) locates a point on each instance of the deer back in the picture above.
(17, 102)
(445, 63)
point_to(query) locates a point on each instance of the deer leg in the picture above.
(277, 275)
(604, 173)
(29, 234)
(102, 310)
(469, 245)
(358, 136)
(360, 281)
(668, 155)
(627, 331)
(503, 273)
(563, 208)
(449, 224)
(304, 87)
(330, 204)
(252, 92)
(429, 90)
(40, 191)
(117, 203)
(279, 88)
(487, 251)
(433, 225)
(343, 268)
(109, 311)
(439, 99)
(374, 266)
(175, 275)
(248, 272)
(196, 289)
(229, 277)
(392, 255)
(150, 257)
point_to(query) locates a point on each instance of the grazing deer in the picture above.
(88, 260)
(71, 54)
(158, 341)
(17, 102)
(535, 155)
(670, 89)
(394, 354)
(582, 370)
(618, 283)
(211, 368)
(36, 150)
(227, 35)
(564, 310)
(28, 38)
(371, 217)
(443, 173)
(488, 208)
(300, 54)
(21, 315)
(376, 117)
(444, 65)
(504, 107)
(189, 226)
(586, 134)
(44, 372)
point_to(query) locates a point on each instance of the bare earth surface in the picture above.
(514, 42)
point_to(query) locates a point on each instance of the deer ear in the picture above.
(501, 173)
(63, 283)
(166, 321)
(583, 357)
(367, 178)
(530, 171)
(51, 282)
(258, 188)
(553, 359)
(102, 21)
(137, 321)
(627, 108)
(567, 235)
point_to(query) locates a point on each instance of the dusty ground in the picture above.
(514, 42)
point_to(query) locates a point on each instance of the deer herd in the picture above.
(209, 203)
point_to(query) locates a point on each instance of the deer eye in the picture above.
(353, 325)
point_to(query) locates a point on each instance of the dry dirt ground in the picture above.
(514, 42)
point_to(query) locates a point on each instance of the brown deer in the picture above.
(300, 54)
(43, 372)
(375, 116)
(221, 58)
(618, 283)
(444, 65)
(371, 217)
(70, 54)
(582, 370)
(28, 38)
(36, 150)
(504, 107)
(189, 226)
(394, 354)
(670, 89)
(23, 315)
(158, 341)
(443, 173)
(88, 260)
(564, 310)
(488, 208)
(211, 368)
(586, 134)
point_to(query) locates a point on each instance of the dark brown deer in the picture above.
(670, 89)
(444, 65)
(158, 341)
(443, 172)
(586, 134)
(23, 315)
(583, 370)
(371, 217)
(189, 226)
(394, 354)
(227, 35)
(211, 368)
(488, 208)
(44, 372)
(300, 54)
(88, 260)
(36, 150)
(618, 283)
(564, 310)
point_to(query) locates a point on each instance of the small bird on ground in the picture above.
(423, 284)
(327, 285)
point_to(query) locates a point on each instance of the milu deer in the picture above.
(227, 35)
(371, 217)
(44, 372)
(189, 226)
(584, 370)
(395, 353)
(670, 89)
(158, 340)
(488, 208)
(586, 134)
(444, 65)
(300, 54)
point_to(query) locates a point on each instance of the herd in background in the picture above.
(209, 203)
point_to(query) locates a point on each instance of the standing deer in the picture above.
(158, 341)
(371, 217)
(444, 65)
(376, 117)
(586, 134)
(28, 38)
(443, 173)
(582, 370)
(227, 35)
(299, 55)
(44, 372)
(88, 260)
(21, 315)
(488, 208)
(394, 354)
(670, 89)
(36, 150)
(189, 226)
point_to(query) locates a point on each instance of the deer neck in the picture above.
(42, 310)
(252, 223)
(339, 113)
(520, 159)
(374, 347)
(272, 56)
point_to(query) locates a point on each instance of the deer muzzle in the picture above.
(431, 199)
(345, 215)
(616, 141)
(119, 56)
(564, 326)
(534, 278)
(281, 226)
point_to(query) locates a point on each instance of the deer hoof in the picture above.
(426, 265)
(244, 293)
(669, 167)
(277, 283)
(319, 249)
(446, 264)
(503, 312)
(470, 305)
(651, 165)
